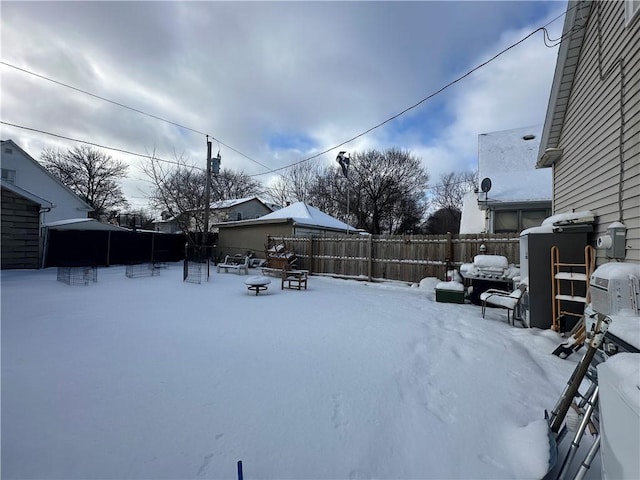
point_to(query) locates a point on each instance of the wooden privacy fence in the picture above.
(395, 257)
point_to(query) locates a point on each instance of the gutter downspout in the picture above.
(43, 235)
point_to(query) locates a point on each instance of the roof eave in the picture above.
(322, 227)
(516, 204)
(254, 221)
(573, 34)
(43, 202)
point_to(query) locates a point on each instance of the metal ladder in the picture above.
(575, 411)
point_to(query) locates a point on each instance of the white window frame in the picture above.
(632, 10)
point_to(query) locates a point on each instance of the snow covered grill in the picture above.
(486, 272)
(488, 267)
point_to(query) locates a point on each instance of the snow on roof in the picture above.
(221, 204)
(307, 215)
(83, 224)
(569, 217)
(510, 162)
(537, 230)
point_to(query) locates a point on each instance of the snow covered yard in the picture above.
(156, 378)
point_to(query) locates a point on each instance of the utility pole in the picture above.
(207, 196)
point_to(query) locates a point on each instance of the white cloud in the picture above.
(245, 71)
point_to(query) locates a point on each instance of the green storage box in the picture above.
(449, 296)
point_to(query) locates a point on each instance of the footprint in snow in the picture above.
(205, 464)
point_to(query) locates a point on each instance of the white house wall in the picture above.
(588, 175)
(473, 219)
(32, 177)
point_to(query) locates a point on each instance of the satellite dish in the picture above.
(485, 185)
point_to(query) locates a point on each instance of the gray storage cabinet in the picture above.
(535, 263)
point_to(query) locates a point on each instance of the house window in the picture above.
(8, 150)
(632, 7)
(505, 221)
(9, 175)
(238, 216)
(513, 221)
(533, 218)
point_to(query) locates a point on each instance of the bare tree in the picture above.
(91, 174)
(278, 192)
(386, 188)
(296, 184)
(450, 192)
(228, 185)
(179, 190)
(384, 191)
(444, 220)
(329, 191)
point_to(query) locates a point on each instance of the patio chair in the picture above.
(503, 299)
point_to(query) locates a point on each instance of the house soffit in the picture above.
(573, 33)
(524, 205)
(32, 197)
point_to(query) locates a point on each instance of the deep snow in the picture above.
(156, 378)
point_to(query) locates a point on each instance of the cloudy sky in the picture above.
(273, 82)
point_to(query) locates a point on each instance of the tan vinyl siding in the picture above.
(240, 239)
(587, 177)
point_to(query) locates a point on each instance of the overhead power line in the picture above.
(151, 157)
(548, 41)
(122, 105)
(43, 77)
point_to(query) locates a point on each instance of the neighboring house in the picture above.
(167, 225)
(296, 219)
(21, 170)
(31, 197)
(591, 135)
(519, 196)
(239, 209)
(221, 211)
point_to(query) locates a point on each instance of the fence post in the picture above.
(108, 248)
(449, 260)
(370, 259)
(185, 265)
(153, 241)
(310, 254)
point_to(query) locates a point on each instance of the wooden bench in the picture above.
(289, 278)
(281, 263)
(294, 279)
(230, 263)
